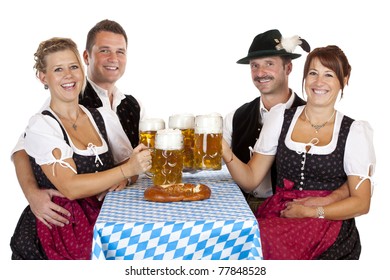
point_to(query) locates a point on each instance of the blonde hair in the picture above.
(54, 45)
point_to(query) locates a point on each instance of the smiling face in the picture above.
(64, 75)
(325, 74)
(270, 74)
(107, 59)
(321, 84)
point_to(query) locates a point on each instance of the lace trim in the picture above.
(311, 144)
(251, 151)
(92, 148)
(365, 177)
(63, 164)
(362, 179)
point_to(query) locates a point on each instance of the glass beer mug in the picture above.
(147, 133)
(208, 142)
(167, 162)
(148, 129)
(186, 123)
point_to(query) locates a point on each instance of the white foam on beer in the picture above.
(151, 124)
(182, 121)
(211, 123)
(169, 139)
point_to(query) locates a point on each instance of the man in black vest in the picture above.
(105, 57)
(270, 65)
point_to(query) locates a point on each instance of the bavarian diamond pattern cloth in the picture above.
(220, 228)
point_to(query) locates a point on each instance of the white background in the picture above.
(182, 58)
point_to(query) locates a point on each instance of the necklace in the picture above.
(317, 127)
(74, 125)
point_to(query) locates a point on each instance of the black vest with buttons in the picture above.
(128, 112)
(246, 129)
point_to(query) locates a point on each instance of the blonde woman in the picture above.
(74, 150)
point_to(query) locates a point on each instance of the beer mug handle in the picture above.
(150, 173)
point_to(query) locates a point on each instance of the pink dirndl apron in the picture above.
(72, 241)
(293, 238)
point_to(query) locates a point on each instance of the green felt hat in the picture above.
(271, 43)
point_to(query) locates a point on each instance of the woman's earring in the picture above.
(46, 86)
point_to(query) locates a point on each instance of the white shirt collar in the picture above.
(289, 103)
(103, 95)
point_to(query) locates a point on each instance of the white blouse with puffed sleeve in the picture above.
(44, 134)
(359, 156)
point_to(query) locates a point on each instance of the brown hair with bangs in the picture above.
(333, 58)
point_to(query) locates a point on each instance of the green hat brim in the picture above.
(264, 53)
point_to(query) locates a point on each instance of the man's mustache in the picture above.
(263, 78)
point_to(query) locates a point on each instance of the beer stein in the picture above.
(147, 133)
(186, 123)
(148, 129)
(167, 157)
(208, 142)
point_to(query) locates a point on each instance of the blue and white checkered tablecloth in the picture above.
(219, 228)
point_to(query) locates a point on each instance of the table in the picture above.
(220, 228)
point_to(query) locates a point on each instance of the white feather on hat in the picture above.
(289, 44)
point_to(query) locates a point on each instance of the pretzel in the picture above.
(177, 192)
